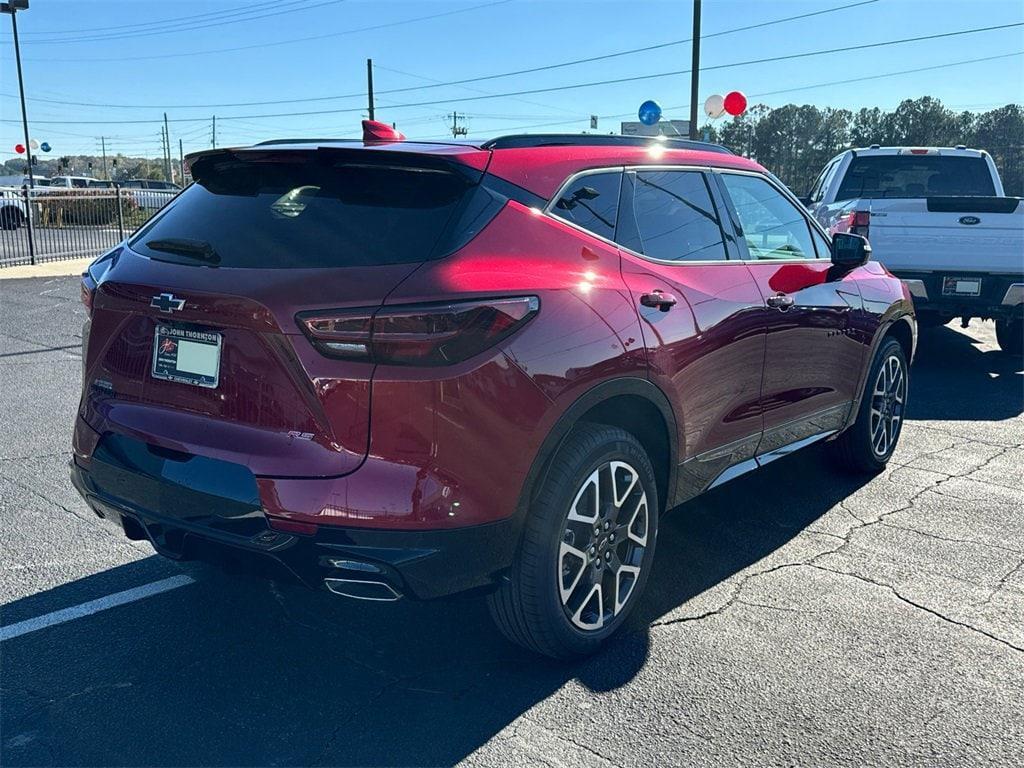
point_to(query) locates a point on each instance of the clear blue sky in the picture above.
(479, 37)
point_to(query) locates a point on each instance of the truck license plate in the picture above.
(961, 286)
(187, 356)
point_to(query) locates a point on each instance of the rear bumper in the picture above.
(360, 562)
(999, 296)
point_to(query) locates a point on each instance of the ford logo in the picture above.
(970, 220)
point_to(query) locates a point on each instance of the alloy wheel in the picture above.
(887, 403)
(603, 544)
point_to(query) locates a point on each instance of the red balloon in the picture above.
(735, 102)
(19, 148)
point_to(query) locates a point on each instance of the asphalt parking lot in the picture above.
(795, 616)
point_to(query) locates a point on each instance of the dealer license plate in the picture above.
(187, 355)
(961, 286)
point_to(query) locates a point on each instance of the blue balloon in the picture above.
(45, 146)
(650, 112)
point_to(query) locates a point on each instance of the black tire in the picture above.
(1010, 335)
(10, 218)
(529, 607)
(858, 449)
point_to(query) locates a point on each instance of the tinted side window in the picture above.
(773, 228)
(676, 218)
(818, 190)
(592, 202)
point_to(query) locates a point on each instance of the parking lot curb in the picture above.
(49, 269)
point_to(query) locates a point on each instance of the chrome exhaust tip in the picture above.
(358, 589)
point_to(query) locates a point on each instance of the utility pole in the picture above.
(213, 135)
(163, 150)
(458, 130)
(695, 70)
(12, 8)
(103, 145)
(181, 161)
(369, 85)
(167, 145)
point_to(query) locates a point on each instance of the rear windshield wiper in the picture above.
(193, 249)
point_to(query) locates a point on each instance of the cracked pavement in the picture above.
(796, 616)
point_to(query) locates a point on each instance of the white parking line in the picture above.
(93, 606)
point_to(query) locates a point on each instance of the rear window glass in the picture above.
(306, 213)
(895, 176)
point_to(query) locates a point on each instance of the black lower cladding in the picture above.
(197, 508)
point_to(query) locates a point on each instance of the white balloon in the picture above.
(34, 144)
(714, 106)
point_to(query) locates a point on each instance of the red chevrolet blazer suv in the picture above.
(390, 368)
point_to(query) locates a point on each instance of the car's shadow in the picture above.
(230, 671)
(240, 672)
(954, 379)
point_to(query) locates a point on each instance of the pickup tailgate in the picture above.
(964, 234)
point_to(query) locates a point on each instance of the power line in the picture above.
(440, 84)
(551, 89)
(466, 87)
(373, 27)
(187, 27)
(847, 81)
(177, 19)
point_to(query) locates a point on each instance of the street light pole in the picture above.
(12, 8)
(695, 70)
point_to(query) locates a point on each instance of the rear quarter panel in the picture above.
(485, 420)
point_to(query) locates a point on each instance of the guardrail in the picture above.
(54, 224)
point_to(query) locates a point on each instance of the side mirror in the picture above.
(850, 251)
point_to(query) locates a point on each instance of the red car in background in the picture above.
(392, 368)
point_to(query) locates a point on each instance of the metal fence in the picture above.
(53, 223)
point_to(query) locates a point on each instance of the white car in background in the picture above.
(21, 180)
(151, 194)
(12, 207)
(73, 182)
(938, 219)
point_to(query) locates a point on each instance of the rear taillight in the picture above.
(421, 334)
(854, 222)
(88, 292)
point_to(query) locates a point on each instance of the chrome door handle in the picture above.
(658, 300)
(780, 301)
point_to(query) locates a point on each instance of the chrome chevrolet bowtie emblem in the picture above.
(167, 302)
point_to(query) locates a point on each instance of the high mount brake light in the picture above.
(420, 334)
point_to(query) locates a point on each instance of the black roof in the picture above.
(527, 140)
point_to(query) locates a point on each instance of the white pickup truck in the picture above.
(938, 219)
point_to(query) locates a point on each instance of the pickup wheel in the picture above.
(10, 217)
(586, 549)
(1010, 335)
(869, 443)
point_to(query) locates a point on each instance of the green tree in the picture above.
(866, 128)
(1001, 133)
(922, 122)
